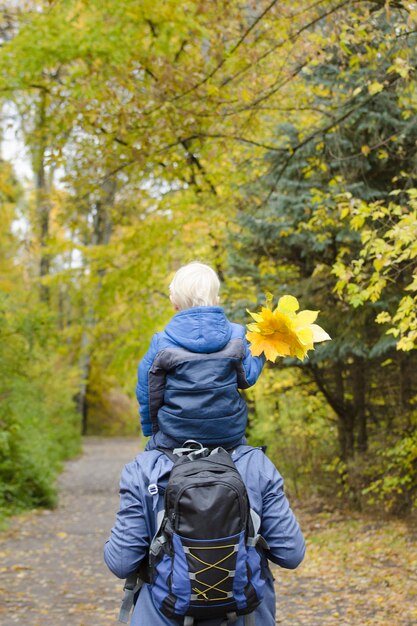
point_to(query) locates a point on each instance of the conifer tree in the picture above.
(363, 146)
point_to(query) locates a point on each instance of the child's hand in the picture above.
(283, 332)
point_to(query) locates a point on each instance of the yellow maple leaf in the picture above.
(282, 331)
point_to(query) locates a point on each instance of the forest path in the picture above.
(356, 572)
(52, 561)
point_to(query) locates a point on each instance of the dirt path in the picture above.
(356, 573)
(52, 566)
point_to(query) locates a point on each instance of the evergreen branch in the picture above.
(321, 131)
(384, 142)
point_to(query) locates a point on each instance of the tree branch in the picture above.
(322, 131)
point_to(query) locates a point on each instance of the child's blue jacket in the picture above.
(136, 525)
(188, 380)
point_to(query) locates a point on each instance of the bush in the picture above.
(296, 424)
(38, 423)
(394, 481)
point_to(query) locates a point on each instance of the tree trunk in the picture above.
(359, 387)
(43, 205)
(406, 391)
(335, 396)
(346, 431)
(85, 360)
(101, 234)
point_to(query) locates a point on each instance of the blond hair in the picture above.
(195, 284)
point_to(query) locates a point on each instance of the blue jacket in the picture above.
(136, 525)
(188, 380)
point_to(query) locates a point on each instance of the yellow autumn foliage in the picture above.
(282, 331)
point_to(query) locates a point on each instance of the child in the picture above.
(188, 380)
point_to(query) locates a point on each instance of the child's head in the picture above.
(194, 284)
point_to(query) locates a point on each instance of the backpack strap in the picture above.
(132, 585)
(169, 453)
(255, 539)
(158, 542)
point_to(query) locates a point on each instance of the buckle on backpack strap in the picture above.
(153, 489)
(190, 447)
(199, 454)
(157, 545)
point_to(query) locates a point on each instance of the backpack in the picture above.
(205, 560)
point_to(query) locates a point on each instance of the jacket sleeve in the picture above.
(142, 387)
(279, 526)
(251, 367)
(130, 537)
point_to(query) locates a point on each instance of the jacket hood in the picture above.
(200, 329)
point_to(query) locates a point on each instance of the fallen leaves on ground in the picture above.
(357, 572)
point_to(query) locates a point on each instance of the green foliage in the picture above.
(163, 126)
(324, 222)
(298, 428)
(395, 483)
(38, 423)
(39, 426)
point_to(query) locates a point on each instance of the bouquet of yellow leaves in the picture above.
(283, 331)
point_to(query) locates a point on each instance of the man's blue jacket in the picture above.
(188, 380)
(136, 525)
